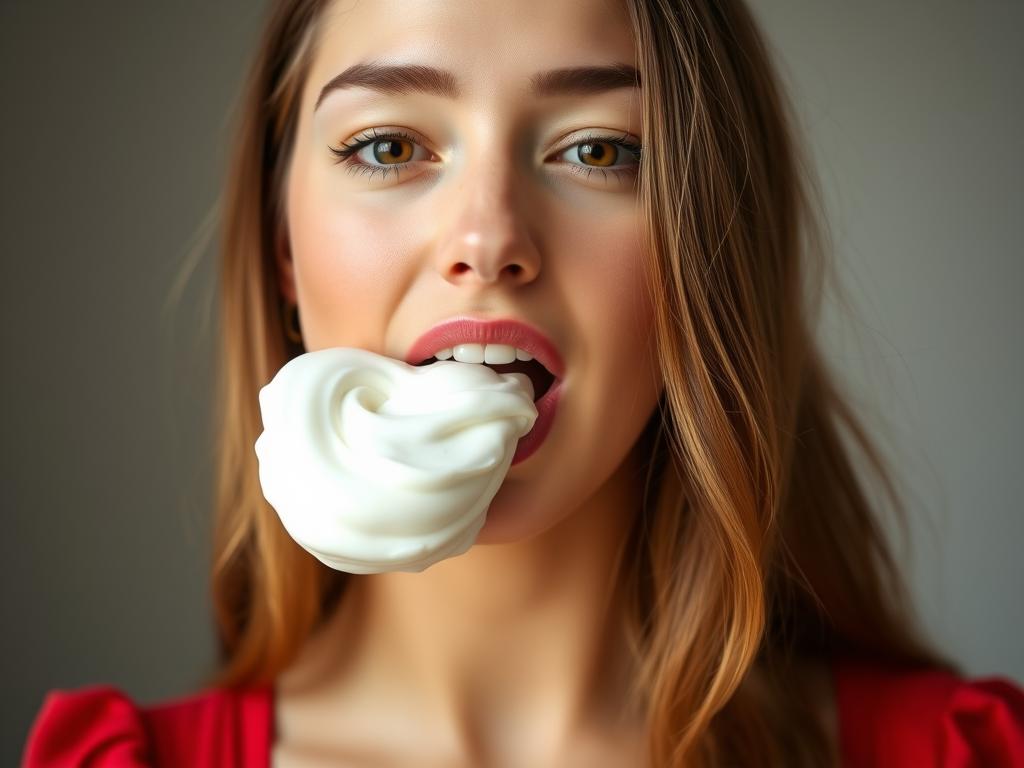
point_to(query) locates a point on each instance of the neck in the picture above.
(522, 641)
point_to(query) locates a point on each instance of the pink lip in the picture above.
(468, 330)
(547, 406)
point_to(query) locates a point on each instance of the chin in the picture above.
(510, 519)
(522, 511)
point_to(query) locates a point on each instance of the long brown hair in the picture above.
(757, 548)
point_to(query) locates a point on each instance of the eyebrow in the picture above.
(419, 78)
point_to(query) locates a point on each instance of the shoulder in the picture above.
(94, 725)
(890, 716)
(101, 726)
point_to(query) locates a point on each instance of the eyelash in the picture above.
(345, 155)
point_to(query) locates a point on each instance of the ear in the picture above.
(284, 267)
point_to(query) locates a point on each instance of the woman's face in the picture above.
(495, 202)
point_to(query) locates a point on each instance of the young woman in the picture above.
(686, 571)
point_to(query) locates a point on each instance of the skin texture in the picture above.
(511, 654)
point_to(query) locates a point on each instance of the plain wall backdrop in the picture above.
(114, 129)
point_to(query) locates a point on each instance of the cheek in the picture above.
(610, 302)
(619, 381)
(345, 259)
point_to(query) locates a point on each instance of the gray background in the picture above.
(114, 134)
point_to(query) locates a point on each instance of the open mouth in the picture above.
(540, 377)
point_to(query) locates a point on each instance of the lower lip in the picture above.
(532, 440)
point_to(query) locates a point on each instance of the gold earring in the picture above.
(292, 328)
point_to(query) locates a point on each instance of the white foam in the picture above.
(376, 465)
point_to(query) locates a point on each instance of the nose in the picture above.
(488, 241)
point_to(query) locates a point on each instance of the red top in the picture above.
(887, 717)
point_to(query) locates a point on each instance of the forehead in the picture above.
(491, 45)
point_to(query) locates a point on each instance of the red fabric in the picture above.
(887, 717)
(897, 717)
(100, 727)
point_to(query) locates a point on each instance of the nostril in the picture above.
(460, 267)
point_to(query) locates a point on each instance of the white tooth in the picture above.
(469, 353)
(521, 355)
(444, 354)
(499, 353)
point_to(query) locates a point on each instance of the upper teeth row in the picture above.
(483, 353)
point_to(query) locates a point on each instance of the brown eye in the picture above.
(391, 151)
(598, 154)
(381, 152)
(616, 157)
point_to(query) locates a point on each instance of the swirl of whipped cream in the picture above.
(376, 465)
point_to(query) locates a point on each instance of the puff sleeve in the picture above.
(98, 726)
(930, 717)
(983, 724)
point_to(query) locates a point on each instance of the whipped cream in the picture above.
(376, 465)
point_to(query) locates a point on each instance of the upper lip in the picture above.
(472, 330)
